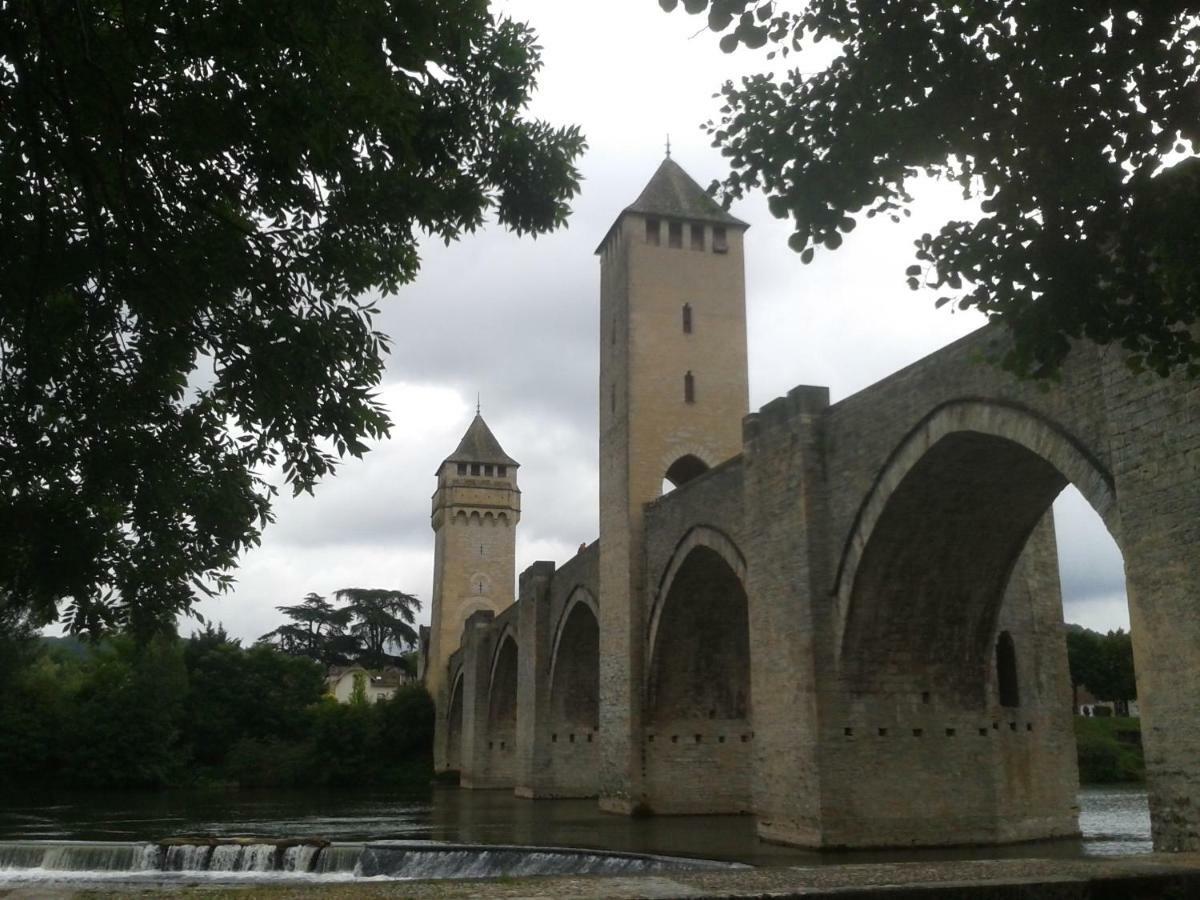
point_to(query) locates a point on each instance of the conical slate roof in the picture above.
(673, 193)
(479, 445)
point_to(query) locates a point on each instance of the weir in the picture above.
(219, 860)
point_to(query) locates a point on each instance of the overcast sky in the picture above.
(516, 320)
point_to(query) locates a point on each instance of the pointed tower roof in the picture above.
(673, 192)
(479, 445)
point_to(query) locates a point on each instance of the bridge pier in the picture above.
(787, 562)
(1155, 426)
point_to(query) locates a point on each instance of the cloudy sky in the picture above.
(516, 321)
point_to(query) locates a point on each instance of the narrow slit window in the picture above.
(675, 234)
(720, 244)
(689, 388)
(697, 237)
(1006, 671)
(687, 318)
(652, 232)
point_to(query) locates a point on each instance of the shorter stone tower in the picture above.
(476, 508)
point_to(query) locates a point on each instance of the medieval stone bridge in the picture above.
(851, 628)
(816, 640)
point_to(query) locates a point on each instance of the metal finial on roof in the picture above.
(477, 404)
(668, 145)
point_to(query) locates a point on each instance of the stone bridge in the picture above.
(853, 628)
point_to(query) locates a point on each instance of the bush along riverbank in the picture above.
(1110, 749)
(195, 712)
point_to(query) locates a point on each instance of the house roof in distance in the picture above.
(479, 445)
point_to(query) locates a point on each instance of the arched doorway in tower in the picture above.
(683, 470)
(575, 699)
(454, 726)
(952, 652)
(699, 725)
(501, 752)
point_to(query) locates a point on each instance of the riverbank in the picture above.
(1110, 750)
(1149, 877)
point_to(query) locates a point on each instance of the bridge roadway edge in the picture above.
(1173, 876)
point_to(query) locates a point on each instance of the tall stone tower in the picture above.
(673, 391)
(476, 508)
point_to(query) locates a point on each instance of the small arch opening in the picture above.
(682, 471)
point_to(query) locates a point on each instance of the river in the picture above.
(1113, 821)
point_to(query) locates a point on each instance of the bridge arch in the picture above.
(502, 686)
(454, 723)
(575, 660)
(698, 643)
(931, 551)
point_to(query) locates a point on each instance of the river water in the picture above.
(1113, 821)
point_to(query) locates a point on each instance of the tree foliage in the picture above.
(317, 630)
(374, 629)
(380, 620)
(1103, 663)
(1057, 116)
(193, 198)
(167, 712)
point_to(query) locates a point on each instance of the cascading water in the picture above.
(247, 860)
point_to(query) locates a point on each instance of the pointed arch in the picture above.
(1028, 434)
(575, 663)
(698, 646)
(697, 536)
(454, 723)
(580, 594)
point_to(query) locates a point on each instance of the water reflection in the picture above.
(1112, 820)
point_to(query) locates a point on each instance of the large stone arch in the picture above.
(979, 448)
(948, 579)
(698, 703)
(575, 662)
(502, 711)
(706, 536)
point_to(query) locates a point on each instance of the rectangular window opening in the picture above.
(474, 468)
(462, 468)
(502, 471)
(720, 243)
(488, 470)
(697, 237)
(689, 388)
(848, 732)
(687, 318)
(675, 234)
(652, 232)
